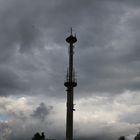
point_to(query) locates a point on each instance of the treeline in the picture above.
(137, 137)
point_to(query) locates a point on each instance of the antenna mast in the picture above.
(70, 84)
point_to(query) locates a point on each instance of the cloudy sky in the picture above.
(34, 61)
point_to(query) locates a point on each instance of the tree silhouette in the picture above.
(137, 137)
(37, 136)
(122, 138)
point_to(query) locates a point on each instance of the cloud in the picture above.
(22, 119)
(41, 111)
(34, 60)
(5, 131)
(95, 117)
(33, 45)
(11, 82)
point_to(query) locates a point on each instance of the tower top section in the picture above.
(71, 39)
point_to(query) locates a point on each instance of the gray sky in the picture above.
(34, 60)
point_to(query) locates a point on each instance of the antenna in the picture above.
(70, 83)
(71, 30)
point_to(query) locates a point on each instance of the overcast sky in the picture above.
(34, 61)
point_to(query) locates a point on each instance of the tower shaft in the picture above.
(70, 84)
(69, 123)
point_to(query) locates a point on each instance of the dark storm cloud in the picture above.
(18, 21)
(20, 33)
(102, 51)
(11, 82)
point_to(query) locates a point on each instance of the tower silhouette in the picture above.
(70, 83)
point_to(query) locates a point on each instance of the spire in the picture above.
(71, 31)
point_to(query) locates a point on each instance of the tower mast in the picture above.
(70, 84)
